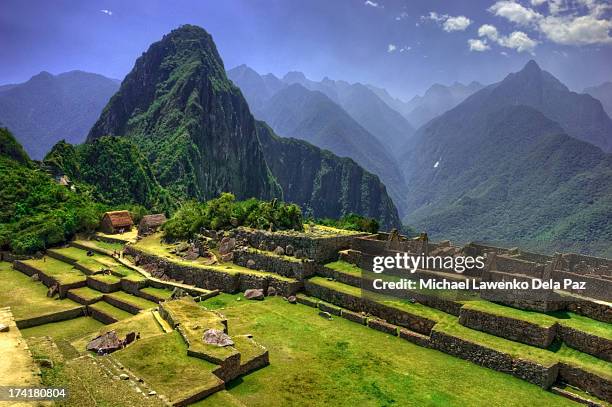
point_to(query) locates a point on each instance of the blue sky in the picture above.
(404, 46)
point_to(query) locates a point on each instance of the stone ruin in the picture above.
(109, 342)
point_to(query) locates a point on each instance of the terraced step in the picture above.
(106, 313)
(128, 302)
(283, 265)
(155, 294)
(85, 295)
(52, 271)
(343, 272)
(227, 277)
(539, 329)
(104, 283)
(414, 316)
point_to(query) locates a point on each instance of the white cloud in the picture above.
(406, 48)
(489, 31)
(582, 30)
(448, 23)
(519, 41)
(515, 12)
(391, 47)
(478, 45)
(459, 23)
(401, 16)
(504, 53)
(372, 3)
(568, 22)
(107, 12)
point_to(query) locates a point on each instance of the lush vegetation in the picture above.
(114, 170)
(225, 212)
(352, 221)
(35, 211)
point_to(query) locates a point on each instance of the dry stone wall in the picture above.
(281, 265)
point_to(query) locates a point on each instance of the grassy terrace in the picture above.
(64, 330)
(344, 267)
(404, 305)
(105, 278)
(132, 299)
(568, 319)
(98, 262)
(160, 293)
(27, 298)
(162, 362)
(87, 293)
(110, 310)
(62, 272)
(316, 362)
(124, 237)
(154, 246)
(544, 357)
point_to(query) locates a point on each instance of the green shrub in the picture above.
(225, 212)
(352, 221)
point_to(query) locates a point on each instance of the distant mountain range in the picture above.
(603, 93)
(315, 114)
(436, 100)
(497, 168)
(48, 108)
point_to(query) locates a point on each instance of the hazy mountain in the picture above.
(257, 89)
(603, 93)
(364, 106)
(48, 108)
(195, 128)
(310, 115)
(495, 170)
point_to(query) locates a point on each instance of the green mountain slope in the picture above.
(510, 176)
(325, 185)
(189, 121)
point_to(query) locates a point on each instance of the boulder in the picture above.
(217, 338)
(35, 277)
(54, 289)
(227, 245)
(4, 328)
(254, 294)
(251, 264)
(45, 363)
(271, 291)
(279, 251)
(182, 247)
(227, 257)
(291, 299)
(123, 376)
(105, 343)
(289, 250)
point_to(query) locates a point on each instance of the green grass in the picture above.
(584, 324)
(110, 310)
(62, 272)
(107, 245)
(162, 362)
(87, 293)
(344, 267)
(132, 299)
(64, 330)
(27, 298)
(316, 362)
(545, 357)
(160, 293)
(404, 305)
(105, 278)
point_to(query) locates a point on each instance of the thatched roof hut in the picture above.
(116, 221)
(151, 223)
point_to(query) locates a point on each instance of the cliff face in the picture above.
(195, 128)
(190, 121)
(324, 184)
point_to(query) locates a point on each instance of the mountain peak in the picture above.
(42, 76)
(294, 76)
(531, 67)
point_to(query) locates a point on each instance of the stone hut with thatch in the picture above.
(151, 224)
(116, 222)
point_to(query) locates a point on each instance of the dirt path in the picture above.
(16, 364)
